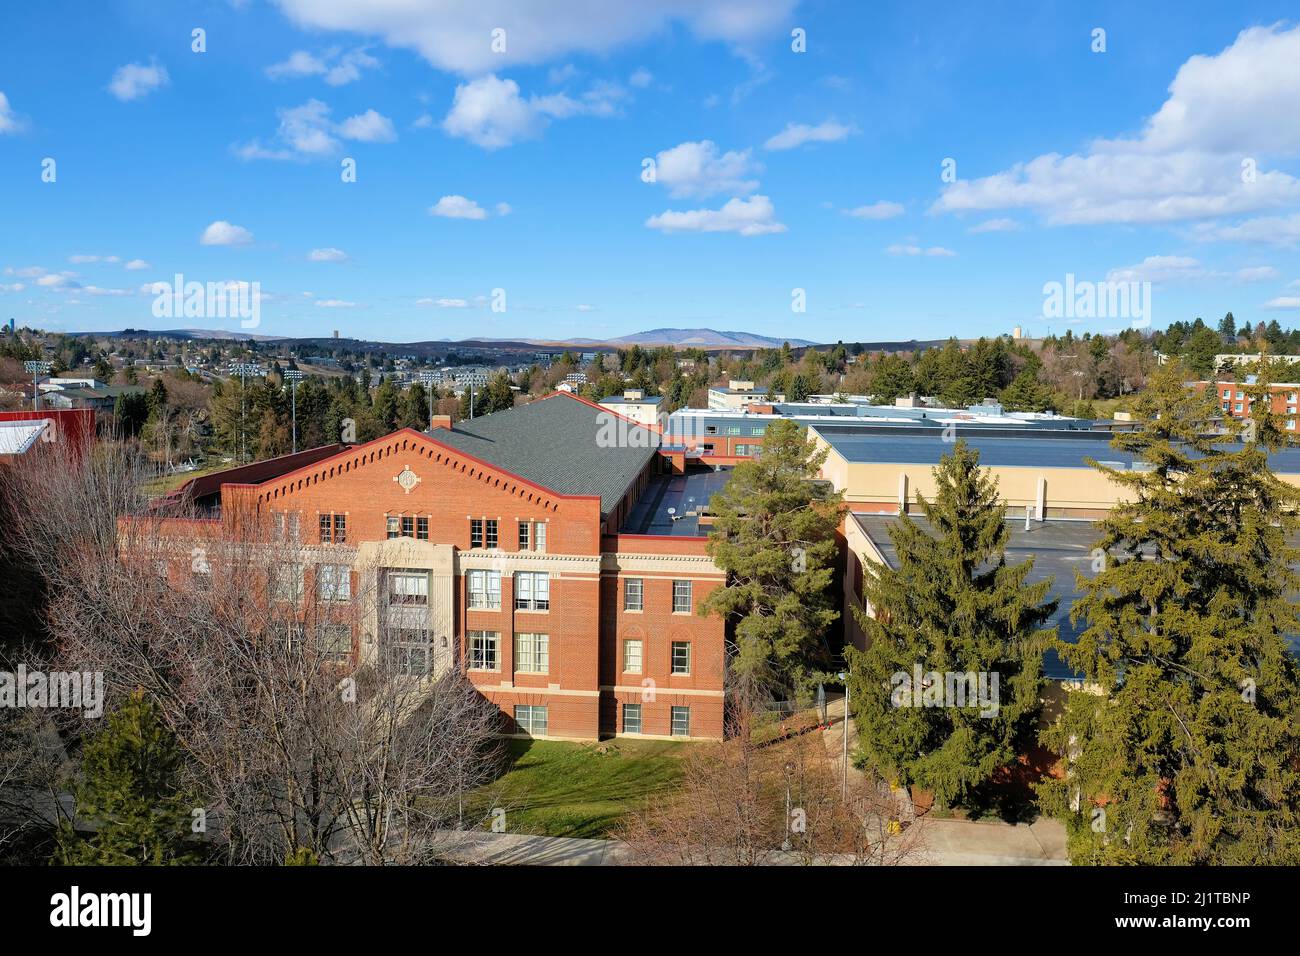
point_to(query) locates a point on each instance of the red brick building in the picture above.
(500, 546)
(1234, 399)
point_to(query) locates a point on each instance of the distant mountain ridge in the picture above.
(692, 338)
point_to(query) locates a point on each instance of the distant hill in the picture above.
(691, 338)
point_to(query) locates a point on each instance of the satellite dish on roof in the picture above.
(672, 511)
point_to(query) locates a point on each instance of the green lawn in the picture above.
(554, 788)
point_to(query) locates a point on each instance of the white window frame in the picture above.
(532, 653)
(289, 592)
(333, 583)
(640, 595)
(679, 716)
(484, 587)
(480, 642)
(629, 658)
(673, 651)
(531, 714)
(689, 593)
(527, 592)
(628, 709)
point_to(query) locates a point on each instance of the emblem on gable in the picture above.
(407, 479)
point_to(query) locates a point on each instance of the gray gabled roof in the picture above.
(555, 442)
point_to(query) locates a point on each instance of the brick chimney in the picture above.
(441, 421)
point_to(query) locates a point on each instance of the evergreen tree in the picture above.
(952, 606)
(774, 535)
(1183, 745)
(1026, 394)
(891, 376)
(131, 792)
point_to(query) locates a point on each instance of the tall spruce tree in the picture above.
(131, 791)
(952, 606)
(774, 535)
(1183, 745)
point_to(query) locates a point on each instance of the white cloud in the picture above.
(135, 80)
(1283, 302)
(445, 303)
(503, 209)
(1159, 269)
(1269, 230)
(1187, 163)
(640, 78)
(9, 121)
(877, 210)
(335, 304)
(455, 35)
(457, 207)
(423, 121)
(1256, 274)
(697, 170)
(12, 287)
(368, 127)
(96, 290)
(585, 307)
(797, 134)
(307, 132)
(995, 225)
(909, 249)
(328, 254)
(749, 217)
(136, 265)
(559, 75)
(490, 112)
(222, 233)
(337, 68)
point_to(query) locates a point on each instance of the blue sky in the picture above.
(480, 169)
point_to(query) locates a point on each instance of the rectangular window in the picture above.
(681, 597)
(632, 594)
(539, 536)
(631, 718)
(491, 540)
(476, 532)
(422, 529)
(532, 653)
(531, 719)
(333, 583)
(707, 448)
(394, 526)
(336, 643)
(532, 591)
(710, 429)
(631, 657)
(681, 657)
(483, 647)
(524, 535)
(286, 525)
(757, 430)
(681, 721)
(286, 582)
(340, 529)
(408, 526)
(406, 623)
(485, 589)
(326, 528)
(733, 429)
(742, 450)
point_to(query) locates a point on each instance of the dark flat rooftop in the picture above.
(1059, 549)
(1036, 448)
(680, 494)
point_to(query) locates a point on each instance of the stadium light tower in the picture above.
(428, 379)
(293, 376)
(244, 370)
(37, 369)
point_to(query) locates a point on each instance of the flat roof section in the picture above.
(1059, 549)
(680, 494)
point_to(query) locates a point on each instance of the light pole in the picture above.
(293, 376)
(844, 779)
(37, 369)
(427, 379)
(244, 370)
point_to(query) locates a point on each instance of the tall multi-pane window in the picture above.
(531, 719)
(681, 657)
(476, 532)
(532, 591)
(681, 597)
(286, 525)
(532, 653)
(340, 529)
(422, 529)
(333, 583)
(631, 657)
(408, 526)
(484, 589)
(406, 621)
(632, 594)
(286, 582)
(524, 535)
(681, 721)
(326, 528)
(394, 526)
(539, 536)
(483, 650)
(490, 538)
(631, 718)
(335, 643)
